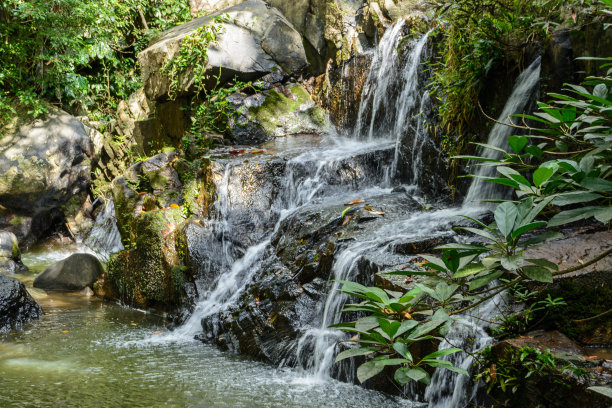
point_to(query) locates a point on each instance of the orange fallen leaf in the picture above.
(64, 331)
(367, 207)
(174, 206)
(354, 202)
(590, 358)
(142, 193)
(257, 151)
(158, 332)
(581, 261)
(236, 152)
(373, 212)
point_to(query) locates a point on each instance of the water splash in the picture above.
(522, 93)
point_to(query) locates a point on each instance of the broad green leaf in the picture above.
(596, 184)
(409, 273)
(541, 175)
(517, 143)
(536, 210)
(505, 215)
(543, 237)
(451, 259)
(538, 273)
(603, 214)
(512, 262)
(376, 294)
(482, 233)
(445, 291)
(404, 375)
(568, 216)
(368, 370)
(525, 228)
(389, 327)
(366, 323)
(441, 353)
(402, 350)
(543, 262)
(485, 280)
(435, 263)
(406, 326)
(469, 270)
(353, 352)
(575, 197)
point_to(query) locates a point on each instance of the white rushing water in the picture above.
(523, 90)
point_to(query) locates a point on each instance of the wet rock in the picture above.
(71, 274)
(16, 305)
(554, 341)
(255, 41)
(10, 254)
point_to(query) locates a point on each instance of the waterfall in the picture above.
(522, 92)
(104, 237)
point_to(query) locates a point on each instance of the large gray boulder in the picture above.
(43, 163)
(10, 255)
(73, 273)
(255, 39)
(16, 305)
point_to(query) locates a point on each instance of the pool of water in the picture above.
(89, 353)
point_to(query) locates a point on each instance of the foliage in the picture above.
(509, 372)
(78, 53)
(575, 127)
(478, 36)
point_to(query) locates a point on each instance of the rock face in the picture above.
(152, 200)
(10, 254)
(16, 305)
(44, 163)
(254, 40)
(73, 273)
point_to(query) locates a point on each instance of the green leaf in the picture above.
(404, 375)
(409, 273)
(568, 216)
(485, 280)
(368, 370)
(541, 175)
(596, 184)
(460, 247)
(441, 353)
(575, 197)
(525, 228)
(366, 323)
(543, 262)
(517, 143)
(482, 233)
(469, 270)
(451, 259)
(603, 214)
(538, 273)
(406, 326)
(512, 262)
(542, 238)
(353, 352)
(505, 215)
(347, 209)
(402, 350)
(389, 327)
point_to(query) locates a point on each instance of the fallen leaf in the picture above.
(590, 358)
(142, 193)
(174, 206)
(158, 332)
(64, 331)
(367, 207)
(236, 152)
(346, 220)
(133, 324)
(581, 261)
(257, 151)
(374, 212)
(354, 202)
(493, 371)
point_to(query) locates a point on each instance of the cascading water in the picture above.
(104, 237)
(522, 93)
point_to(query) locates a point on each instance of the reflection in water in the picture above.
(85, 353)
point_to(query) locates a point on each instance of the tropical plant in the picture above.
(574, 187)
